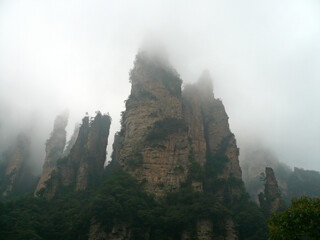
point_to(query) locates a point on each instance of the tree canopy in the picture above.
(299, 221)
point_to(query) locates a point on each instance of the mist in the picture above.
(264, 57)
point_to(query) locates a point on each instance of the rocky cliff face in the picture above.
(54, 149)
(84, 165)
(270, 200)
(16, 176)
(194, 118)
(163, 130)
(212, 143)
(166, 133)
(155, 138)
(209, 128)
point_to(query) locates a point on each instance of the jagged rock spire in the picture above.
(54, 148)
(154, 117)
(271, 200)
(85, 163)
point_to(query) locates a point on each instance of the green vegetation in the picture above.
(120, 197)
(299, 221)
(196, 171)
(216, 163)
(36, 218)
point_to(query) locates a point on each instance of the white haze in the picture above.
(264, 57)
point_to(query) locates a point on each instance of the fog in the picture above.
(264, 57)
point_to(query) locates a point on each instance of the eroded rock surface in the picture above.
(165, 131)
(84, 165)
(54, 149)
(155, 148)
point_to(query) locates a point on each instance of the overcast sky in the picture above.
(264, 57)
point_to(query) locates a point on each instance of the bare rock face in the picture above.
(220, 140)
(212, 140)
(270, 200)
(209, 127)
(15, 170)
(92, 164)
(54, 149)
(194, 119)
(155, 146)
(165, 132)
(85, 163)
(209, 130)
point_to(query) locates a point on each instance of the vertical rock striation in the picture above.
(194, 119)
(84, 166)
(155, 145)
(165, 133)
(213, 144)
(209, 128)
(54, 149)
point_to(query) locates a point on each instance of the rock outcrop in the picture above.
(84, 165)
(165, 133)
(192, 105)
(155, 146)
(209, 128)
(54, 149)
(212, 143)
(16, 177)
(270, 200)
(293, 183)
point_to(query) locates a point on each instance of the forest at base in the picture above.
(119, 196)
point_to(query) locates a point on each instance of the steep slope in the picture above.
(271, 200)
(84, 165)
(171, 139)
(155, 146)
(209, 129)
(213, 147)
(54, 149)
(174, 172)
